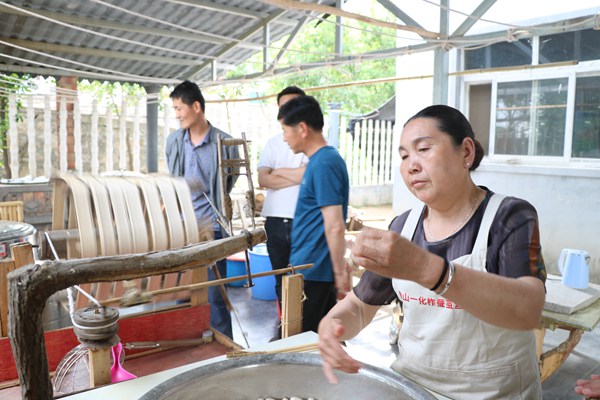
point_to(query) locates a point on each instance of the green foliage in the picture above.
(315, 44)
(113, 91)
(12, 83)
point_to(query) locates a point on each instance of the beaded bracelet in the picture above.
(442, 276)
(450, 275)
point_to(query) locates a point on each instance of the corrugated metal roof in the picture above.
(146, 41)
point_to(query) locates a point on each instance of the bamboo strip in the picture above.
(291, 349)
(223, 281)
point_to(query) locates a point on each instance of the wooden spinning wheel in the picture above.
(116, 215)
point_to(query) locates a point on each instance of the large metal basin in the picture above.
(284, 375)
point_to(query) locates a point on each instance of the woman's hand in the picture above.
(389, 254)
(334, 356)
(589, 387)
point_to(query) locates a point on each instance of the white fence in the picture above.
(105, 141)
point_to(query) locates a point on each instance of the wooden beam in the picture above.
(6, 266)
(50, 48)
(30, 287)
(296, 5)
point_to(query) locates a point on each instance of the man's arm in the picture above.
(268, 178)
(293, 174)
(335, 227)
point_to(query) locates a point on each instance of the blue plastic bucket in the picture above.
(264, 288)
(236, 266)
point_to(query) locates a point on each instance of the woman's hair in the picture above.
(452, 122)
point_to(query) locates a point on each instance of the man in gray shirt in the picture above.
(192, 153)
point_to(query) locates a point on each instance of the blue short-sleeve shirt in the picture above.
(325, 183)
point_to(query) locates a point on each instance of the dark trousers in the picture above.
(220, 318)
(320, 298)
(279, 246)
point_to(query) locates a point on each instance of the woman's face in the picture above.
(431, 165)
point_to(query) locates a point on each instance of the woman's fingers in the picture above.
(332, 352)
(328, 370)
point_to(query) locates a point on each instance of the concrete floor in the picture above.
(259, 319)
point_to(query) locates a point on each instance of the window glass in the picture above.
(580, 46)
(499, 55)
(530, 117)
(586, 124)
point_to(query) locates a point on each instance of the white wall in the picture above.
(567, 201)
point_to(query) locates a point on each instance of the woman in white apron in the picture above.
(467, 267)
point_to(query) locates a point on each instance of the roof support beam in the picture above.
(339, 33)
(227, 48)
(47, 71)
(95, 23)
(289, 41)
(296, 5)
(267, 43)
(224, 8)
(468, 23)
(440, 60)
(58, 48)
(586, 22)
(398, 13)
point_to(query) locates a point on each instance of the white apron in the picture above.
(447, 350)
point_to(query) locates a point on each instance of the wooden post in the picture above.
(6, 266)
(291, 314)
(22, 254)
(99, 366)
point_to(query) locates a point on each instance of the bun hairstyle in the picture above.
(452, 122)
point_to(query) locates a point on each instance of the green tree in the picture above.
(315, 44)
(12, 83)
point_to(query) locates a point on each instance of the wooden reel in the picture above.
(126, 214)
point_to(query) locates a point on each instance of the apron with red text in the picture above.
(449, 351)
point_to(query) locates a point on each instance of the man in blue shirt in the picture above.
(192, 153)
(319, 219)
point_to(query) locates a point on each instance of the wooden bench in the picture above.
(576, 324)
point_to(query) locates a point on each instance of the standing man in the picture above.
(319, 220)
(280, 171)
(192, 153)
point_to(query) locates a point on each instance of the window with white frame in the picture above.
(586, 119)
(530, 117)
(550, 113)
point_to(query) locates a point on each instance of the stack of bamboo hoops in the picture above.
(125, 214)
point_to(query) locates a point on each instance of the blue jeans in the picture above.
(220, 317)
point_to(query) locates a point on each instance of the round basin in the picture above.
(284, 375)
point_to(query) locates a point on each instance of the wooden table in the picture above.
(584, 320)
